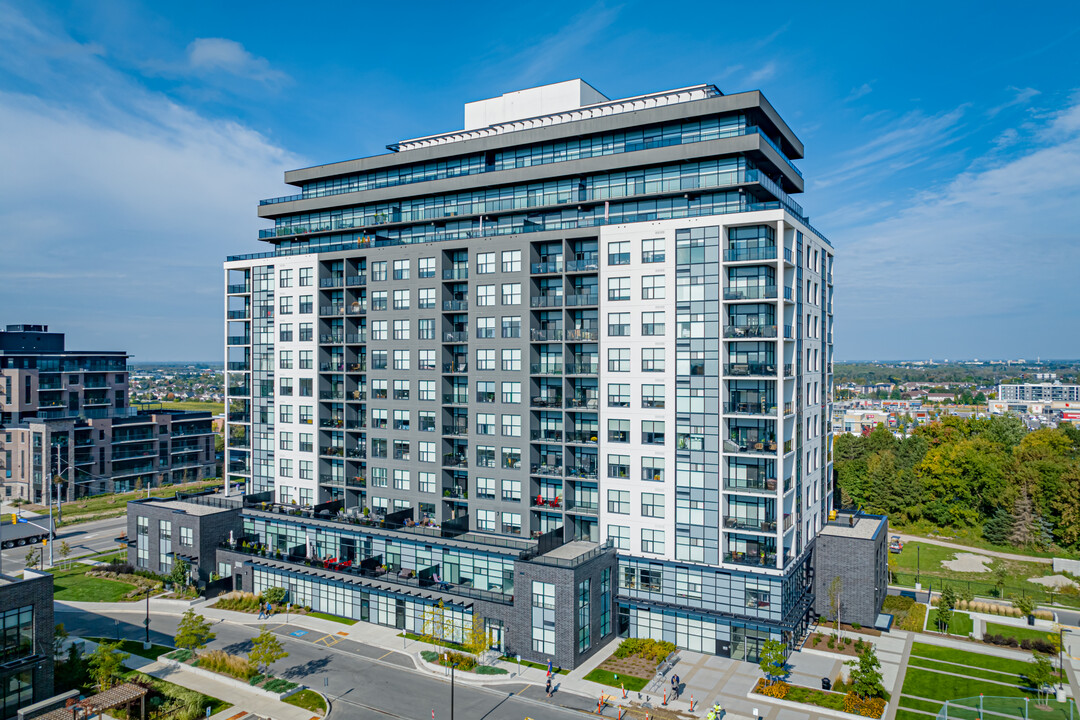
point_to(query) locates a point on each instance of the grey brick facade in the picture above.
(33, 662)
(855, 549)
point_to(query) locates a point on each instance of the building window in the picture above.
(618, 360)
(307, 277)
(285, 305)
(652, 396)
(619, 467)
(511, 327)
(485, 489)
(511, 294)
(425, 328)
(401, 480)
(305, 414)
(618, 395)
(618, 288)
(618, 430)
(511, 458)
(618, 253)
(379, 329)
(378, 300)
(425, 359)
(652, 251)
(401, 359)
(511, 261)
(427, 267)
(652, 469)
(652, 432)
(511, 490)
(652, 541)
(652, 505)
(485, 391)
(285, 441)
(285, 333)
(427, 390)
(485, 520)
(401, 420)
(485, 327)
(426, 298)
(427, 424)
(485, 423)
(285, 278)
(620, 536)
(401, 390)
(285, 468)
(511, 392)
(485, 263)
(401, 299)
(511, 425)
(378, 271)
(652, 359)
(401, 269)
(485, 456)
(511, 523)
(618, 324)
(485, 359)
(285, 413)
(584, 626)
(618, 501)
(511, 360)
(485, 295)
(543, 618)
(652, 323)
(652, 287)
(426, 482)
(307, 332)
(305, 359)
(306, 304)
(305, 443)
(285, 360)
(285, 386)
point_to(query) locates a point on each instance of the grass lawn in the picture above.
(335, 618)
(917, 704)
(902, 714)
(960, 623)
(971, 659)
(973, 538)
(1020, 633)
(993, 675)
(196, 405)
(77, 587)
(309, 700)
(538, 666)
(174, 690)
(936, 686)
(105, 506)
(134, 647)
(606, 677)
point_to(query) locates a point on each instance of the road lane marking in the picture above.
(389, 653)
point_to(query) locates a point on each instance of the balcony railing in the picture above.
(750, 292)
(244, 365)
(455, 367)
(585, 403)
(750, 408)
(331, 309)
(546, 368)
(455, 399)
(547, 401)
(752, 253)
(331, 394)
(543, 301)
(588, 263)
(239, 314)
(455, 305)
(239, 289)
(332, 339)
(239, 417)
(457, 273)
(546, 335)
(244, 390)
(455, 430)
(754, 524)
(554, 470)
(588, 472)
(749, 369)
(578, 437)
(754, 484)
(582, 335)
(551, 436)
(582, 368)
(764, 559)
(354, 280)
(584, 508)
(456, 336)
(546, 268)
(333, 281)
(750, 331)
(239, 339)
(579, 299)
(455, 461)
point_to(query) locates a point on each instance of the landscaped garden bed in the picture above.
(843, 702)
(461, 661)
(907, 614)
(232, 667)
(632, 664)
(829, 642)
(308, 700)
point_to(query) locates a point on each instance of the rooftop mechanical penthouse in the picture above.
(578, 320)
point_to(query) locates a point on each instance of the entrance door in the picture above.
(365, 604)
(399, 613)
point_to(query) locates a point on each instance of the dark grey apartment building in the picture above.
(65, 413)
(578, 320)
(26, 640)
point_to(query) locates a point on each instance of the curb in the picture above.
(329, 705)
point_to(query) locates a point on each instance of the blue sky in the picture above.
(942, 141)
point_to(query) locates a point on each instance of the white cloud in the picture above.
(120, 204)
(984, 264)
(1021, 96)
(861, 91)
(210, 55)
(762, 74)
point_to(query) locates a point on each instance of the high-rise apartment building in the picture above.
(601, 321)
(65, 413)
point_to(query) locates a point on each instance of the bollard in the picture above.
(623, 686)
(665, 697)
(691, 702)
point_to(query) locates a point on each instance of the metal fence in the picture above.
(993, 706)
(989, 589)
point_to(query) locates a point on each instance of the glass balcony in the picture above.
(554, 436)
(456, 273)
(546, 268)
(548, 368)
(546, 335)
(764, 407)
(543, 301)
(584, 508)
(583, 403)
(584, 263)
(750, 331)
(582, 335)
(456, 430)
(588, 472)
(331, 309)
(750, 292)
(582, 437)
(456, 399)
(755, 524)
(334, 281)
(455, 305)
(355, 280)
(548, 401)
(239, 289)
(240, 390)
(754, 482)
(759, 559)
(553, 470)
(582, 368)
(750, 253)
(455, 367)
(456, 337)
(239, 314)
(579, 299)
(332, 338)
(239, 339)
(240, 365)
(749, 369)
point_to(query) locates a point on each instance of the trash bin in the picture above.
(826, 683)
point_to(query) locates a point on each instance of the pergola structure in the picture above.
(123, 695)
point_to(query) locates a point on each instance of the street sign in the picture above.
(146, 622)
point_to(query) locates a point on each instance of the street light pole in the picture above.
(146, 642)
(452, 667)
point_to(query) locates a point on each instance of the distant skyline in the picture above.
(942, 142)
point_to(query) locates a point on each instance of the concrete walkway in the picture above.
(968, 548)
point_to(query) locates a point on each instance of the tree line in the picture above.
(988, 474)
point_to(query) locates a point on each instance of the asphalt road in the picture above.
(83, 538)
(360, 680)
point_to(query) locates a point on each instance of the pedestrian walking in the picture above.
(549, 686)
(674, 686)
(269, 608)
(262, 611)
(549, 667)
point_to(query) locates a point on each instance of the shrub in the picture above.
(277, 685)
(222, 662)
(962, 605)
(867, 707)
(489, 670)
(847, 641)
(239, 601)
(817, 639)
(856, 626)
(897, 602)
(1044, 614)
(778, 689)
(274, 595)
(832, 642)
(646, 648)
(915, 619)
(1044, 646)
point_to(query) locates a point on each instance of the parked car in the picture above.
(895, 544)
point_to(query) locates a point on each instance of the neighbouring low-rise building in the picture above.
(65, 414)
(26, 640)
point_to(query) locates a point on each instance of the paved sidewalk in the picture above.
(241, 701)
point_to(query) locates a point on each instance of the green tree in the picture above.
(33, 556)
(274, 595)
(1040, 675)
(836, 592)
(194, 631)
(64, 549)
(265, 650)
(998, 528)
(1025, 604)
(865, 674)
(1001, 576)
(946, 603)
(773, 662)
(106, 662)
(179, 574)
